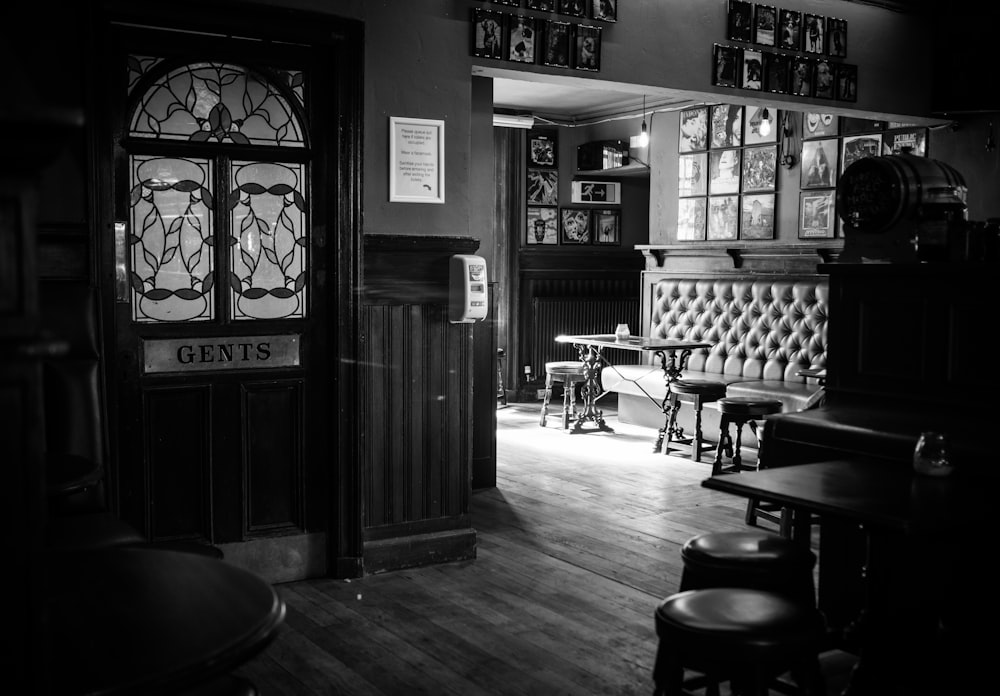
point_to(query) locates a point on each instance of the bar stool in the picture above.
(568, 373)
(753, 559)
(697, 393)
(745, 636)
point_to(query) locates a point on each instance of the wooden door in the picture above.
(223, 293)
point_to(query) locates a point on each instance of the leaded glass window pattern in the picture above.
(172, 235)
(267, 223)
(139, 66)
(218, 102)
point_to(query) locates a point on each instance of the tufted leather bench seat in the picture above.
(764, 330)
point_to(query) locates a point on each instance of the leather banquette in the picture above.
(763, 331)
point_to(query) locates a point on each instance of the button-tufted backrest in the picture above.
(759, 328)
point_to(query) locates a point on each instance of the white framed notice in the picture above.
(416, 160)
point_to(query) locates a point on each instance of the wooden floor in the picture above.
(576, 545)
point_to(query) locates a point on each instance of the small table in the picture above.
(590, 348)
(146, 621)
(925, 538)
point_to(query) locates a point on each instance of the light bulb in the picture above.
(765, 123)
(643, 135)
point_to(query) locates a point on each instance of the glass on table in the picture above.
(622, 332)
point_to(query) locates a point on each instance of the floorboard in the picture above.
(575, 546)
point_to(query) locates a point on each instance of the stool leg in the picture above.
(721, 447)
(674, 405)
(737, 457)
(569, 402)
(696, 441)
(545, 399)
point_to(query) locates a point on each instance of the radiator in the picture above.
(552, 316)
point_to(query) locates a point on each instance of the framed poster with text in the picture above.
(416, 160)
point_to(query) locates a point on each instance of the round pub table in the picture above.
(150, 621)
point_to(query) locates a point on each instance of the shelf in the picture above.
(634, 169)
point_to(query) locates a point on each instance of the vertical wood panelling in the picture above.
(178, 442)
(273, 434)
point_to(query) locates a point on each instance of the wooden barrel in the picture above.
(877, 193)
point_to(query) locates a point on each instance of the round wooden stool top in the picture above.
(748, 406)
(567, 368)
(708, 390)
(745, 549)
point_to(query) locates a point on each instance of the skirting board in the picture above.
(419, 550)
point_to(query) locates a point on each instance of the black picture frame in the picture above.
(739, 21)
(824, 79)
(725, 65)
(897, 140)
(542, 5)
(573, 8)
(777, 67)
(543, 186)
(858, 147)
(542, 226)
(753, 116)
(819, 163)
(801, 76)
(819, 125)
(752, 72)
(723, 218)
(522, 39)
(574, 225)
(587, 48)
(606, 226)
(836, 37)
(693, 135)
(692, 217)
(604, 10)
(692, 174)
(757, 215)
(813, 33)
(725, 128)
(817, 214)
(765, 21)
(724, 170)
(760, 169)
(489, 33)
(558, 44)
(847, 82)
(789, 29)
(543, 149)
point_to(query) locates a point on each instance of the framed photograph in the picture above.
(752, 75)
(607, 192)
(823, 79)
(604, 10)
(752, 117)
(847, 82)
(587, 55)
(607, 226)
(819, 163)
(416, 160)
(523, 33)
(543, 187)
(542, 149)
(693, 130)
(801, 77)
(724, 171)
(740, 21)
(760, 168)
(850, 125)
(910, 140)
(765, 20)
(813, 33)
(757, 216)
(836, 37)
(556, 51)
(856, 147)
(573, 8)
(723, 217)
(817, 125)
(726, 126)
(542, 5)
(789, 29)
(574, 225)
(816, 214)
(777, 68)
(691, 217)
(691, 174)
(725, 65)
(543, 225)
(488, 33)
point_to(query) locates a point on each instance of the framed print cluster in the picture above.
(726, 127)
(856, 147)
(819, 163)
(692, 179)
(543, 225)
(757, 216)
(817, 214)
(693, 130)
(691, 217)
(724, 169)
(556, 42)
(542, 149)
(753, 116)
(543, 187)
(760, 168)
(817, 125)
(723, 217)
(574, 226)
(416, 160)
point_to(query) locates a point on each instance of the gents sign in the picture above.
(222, 353)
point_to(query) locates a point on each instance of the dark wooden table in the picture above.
(672, 354)
(927, 539)
(150, 622)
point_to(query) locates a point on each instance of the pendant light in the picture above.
(644, 132)
(765, 123)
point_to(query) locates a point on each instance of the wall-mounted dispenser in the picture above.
(467, 289)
